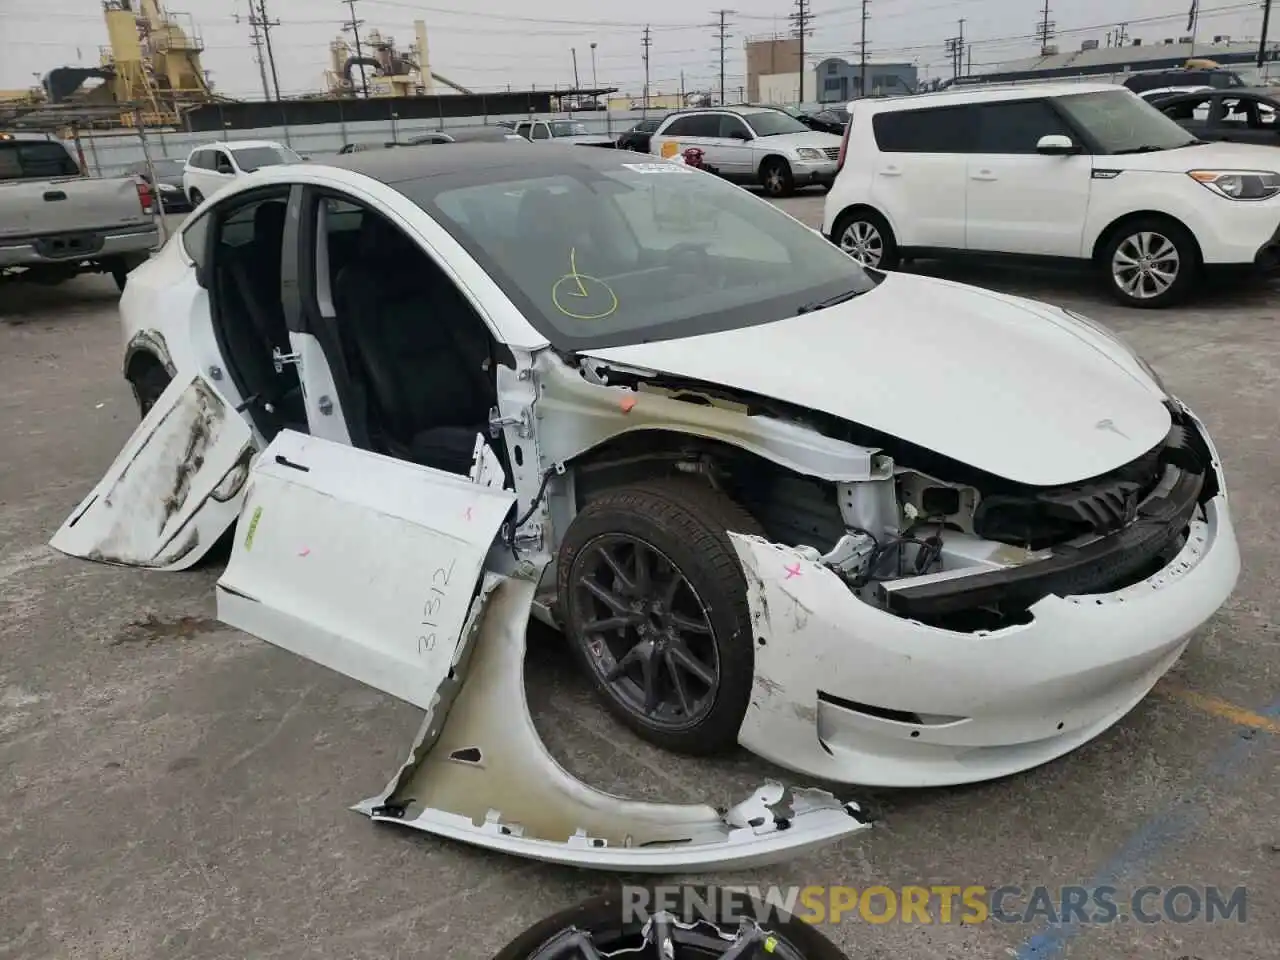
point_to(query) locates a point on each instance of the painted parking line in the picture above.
(1171, 825)
(1222, 709)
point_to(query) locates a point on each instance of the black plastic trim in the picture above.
(1071, 572)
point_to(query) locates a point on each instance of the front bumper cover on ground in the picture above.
(478, 772)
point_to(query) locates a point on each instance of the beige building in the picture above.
(767, 58)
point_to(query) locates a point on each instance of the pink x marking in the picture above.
(792, 571)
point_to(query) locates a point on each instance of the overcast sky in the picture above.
(496, 43)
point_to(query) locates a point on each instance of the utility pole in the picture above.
(955, 48)
(801, 20)
(259, 57)
(354, 26)
(1266, 24)
(1045, 29)
(594, 82)
(862, 56)
(645, 44)
(576, 85)
(1122, 34)
(722, 36)
(266, 23)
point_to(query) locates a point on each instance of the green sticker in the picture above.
(253, 527)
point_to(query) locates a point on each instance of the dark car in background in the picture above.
(829, 120)
(637, 138)
(1236, 115)
(169, 185)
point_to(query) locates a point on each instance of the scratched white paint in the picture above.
(363, 563)
(154, 506)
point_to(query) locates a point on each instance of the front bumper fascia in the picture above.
(849, 693)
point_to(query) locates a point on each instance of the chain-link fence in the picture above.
(110, 154)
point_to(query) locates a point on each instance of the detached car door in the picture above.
(174, 489)
(365, 564)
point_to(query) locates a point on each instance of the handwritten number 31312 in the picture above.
(439, 582)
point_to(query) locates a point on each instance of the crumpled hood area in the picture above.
(1009, 386)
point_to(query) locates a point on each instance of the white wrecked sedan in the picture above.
(877, 528)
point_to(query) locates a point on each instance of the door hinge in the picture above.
(279, 359)
(522, 423)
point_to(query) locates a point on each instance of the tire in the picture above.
(196, 198)
(614, 923)
(148, 380)
(776, 178)
(1167, 274)
(679, 526)
(866, 231)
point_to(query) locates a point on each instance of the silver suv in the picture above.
(757, 145)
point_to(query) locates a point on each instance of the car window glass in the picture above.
(731, 126)
(20, 159)
(194, 237)
(704, 125)
(941, 130)
(1015, 127)
(680, 127)
(238, 226)
(641, 252)
(541, 131)
(222, 163)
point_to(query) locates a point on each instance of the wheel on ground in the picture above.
(1151, 262)
(776, 178)
(196, 198)
(149, 380)
(654, 604)
(709, 923)
(867, 237)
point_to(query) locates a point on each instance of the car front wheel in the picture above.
(776, 178)
(654, 604)
(1151, 263)
(868, 238)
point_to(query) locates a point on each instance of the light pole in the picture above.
(594, 82)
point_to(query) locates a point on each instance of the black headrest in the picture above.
(268, 221)
(379, 240)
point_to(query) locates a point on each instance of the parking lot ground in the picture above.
(172, 788)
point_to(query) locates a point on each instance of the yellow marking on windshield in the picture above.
(587, 288)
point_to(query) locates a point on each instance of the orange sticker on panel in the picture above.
(670, 149)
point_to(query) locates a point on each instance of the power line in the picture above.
(354, 26)
(862, 54)
(722, 36)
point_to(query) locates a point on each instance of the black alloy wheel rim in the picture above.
(647, 632)
(664, 938)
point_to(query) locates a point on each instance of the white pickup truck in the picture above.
(57, 223)
(561, 131)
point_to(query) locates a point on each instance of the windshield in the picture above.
(568, 128)
(1122, 122)
(600, 257)
(772, 123)
(252, 158)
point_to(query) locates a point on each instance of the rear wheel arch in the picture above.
(148, 375)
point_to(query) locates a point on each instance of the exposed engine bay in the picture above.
(928, 538)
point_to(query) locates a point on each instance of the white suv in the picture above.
(752, 145)
(1083, 172)
(212, 167)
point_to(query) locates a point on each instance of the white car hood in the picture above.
(1010, 386)
(1206, 156)
(809, 138)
